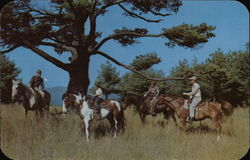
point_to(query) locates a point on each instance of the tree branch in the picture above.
(125, 33)
(46, 56)
(135, 71)
(132, 14)
(8, 50)
(108, 5)
(159, 14)
(70, 49)
(72, 7)
(92, 24)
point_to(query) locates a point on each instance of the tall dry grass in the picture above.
(62, 138)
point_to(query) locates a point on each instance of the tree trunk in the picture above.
(79, 76)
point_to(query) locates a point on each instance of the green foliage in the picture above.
(188, 35)
(146, 6)
(8, 71)
(222, 75)
(61, 25)
(178, 87)
(126, 40)
(134, 84)
(143, 62)
(107, 79)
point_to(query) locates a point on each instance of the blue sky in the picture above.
(231, 19)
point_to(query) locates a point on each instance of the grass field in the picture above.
(62, 138)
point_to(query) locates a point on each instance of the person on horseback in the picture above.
(195, 96)
(152, 93)
(37, 83)
(98, 98)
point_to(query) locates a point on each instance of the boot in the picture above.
(97, 114)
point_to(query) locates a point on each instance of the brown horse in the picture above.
(31, 99)
(144, 108)
(203, 110)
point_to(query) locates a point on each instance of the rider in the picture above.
(153, 92)
(98, 98)
(195, 95)
(37, 83)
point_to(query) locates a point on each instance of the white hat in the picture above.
(193, 78)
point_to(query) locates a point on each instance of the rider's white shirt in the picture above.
(196, 92)
(99, 92)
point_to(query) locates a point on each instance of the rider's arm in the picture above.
(31, 81)
(194, 90)
(42, 85)
(147, 92)
(157, 91)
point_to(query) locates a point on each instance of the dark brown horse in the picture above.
(31, 99)
(144, 108)
(211, 110)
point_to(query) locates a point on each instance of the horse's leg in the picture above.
(217, 123)
(41, 112)
(64, 110)
(142, 116)
(112, 124)
(116, 122)
(174, 118)
(86, 123)
(26, 112)
(121, 122)
(183, 125)
(47, 110)
(166, 115)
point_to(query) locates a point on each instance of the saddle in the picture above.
(200, 105)
(103, 105)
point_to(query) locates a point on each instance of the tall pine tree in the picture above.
(8, 71)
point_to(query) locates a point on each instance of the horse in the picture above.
(31, 99)
(203, 110)
(110, 109)
(144, 108)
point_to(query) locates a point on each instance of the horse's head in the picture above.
(16, 90)
(71, 101)
(128, 100)
(160, 99)
(125, 102)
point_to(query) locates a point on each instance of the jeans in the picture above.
(193, 104)
(97, 101)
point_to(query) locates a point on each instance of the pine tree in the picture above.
(72, 26)
(107, 79)
(8, 71)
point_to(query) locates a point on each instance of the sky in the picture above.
(231, 19)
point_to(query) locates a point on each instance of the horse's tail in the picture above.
(227, 108)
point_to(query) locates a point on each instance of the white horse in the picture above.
(110, 109)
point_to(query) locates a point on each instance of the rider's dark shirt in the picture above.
(37, 81)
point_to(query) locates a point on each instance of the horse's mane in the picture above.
(28, 91)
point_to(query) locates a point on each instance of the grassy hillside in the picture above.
(62, 138)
